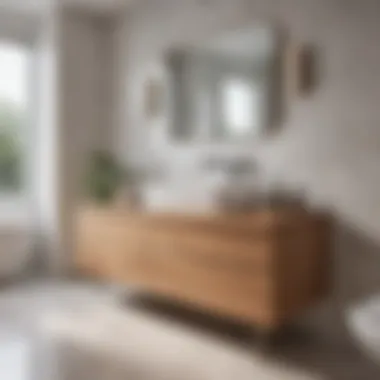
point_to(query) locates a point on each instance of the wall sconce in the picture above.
(302, 69)
(307, 70)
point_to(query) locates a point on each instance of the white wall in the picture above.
(85, 96)
(330, 141)
(45, 141)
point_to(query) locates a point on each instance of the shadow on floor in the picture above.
(296, 346)
(319, 342)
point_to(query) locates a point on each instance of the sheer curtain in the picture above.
(21, 106)
(15, 156)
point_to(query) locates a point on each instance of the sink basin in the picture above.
(186, 196)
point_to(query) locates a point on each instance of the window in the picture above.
(13, 116)
(240, 103)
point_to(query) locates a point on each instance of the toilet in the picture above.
(363, 322)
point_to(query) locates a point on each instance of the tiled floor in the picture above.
(80, 331)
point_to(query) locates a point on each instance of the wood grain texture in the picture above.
(263, 268)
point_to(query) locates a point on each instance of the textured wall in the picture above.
(83, 101)
(330, 142)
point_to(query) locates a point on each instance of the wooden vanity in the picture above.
(263, 268)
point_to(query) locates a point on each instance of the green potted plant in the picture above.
(104, 177)
(10, 163)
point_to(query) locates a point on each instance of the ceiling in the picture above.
(99, 6)
(37, 6)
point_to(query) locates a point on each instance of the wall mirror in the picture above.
(226, 89)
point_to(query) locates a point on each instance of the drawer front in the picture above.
(234, 288)
(244, 258)
(106, 250)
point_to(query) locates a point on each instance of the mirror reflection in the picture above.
(225, 89)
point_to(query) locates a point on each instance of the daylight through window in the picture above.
(13, 110)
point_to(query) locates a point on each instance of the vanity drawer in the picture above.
(223, 265)
(244, 257)
(169, 270)
(107, 250)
